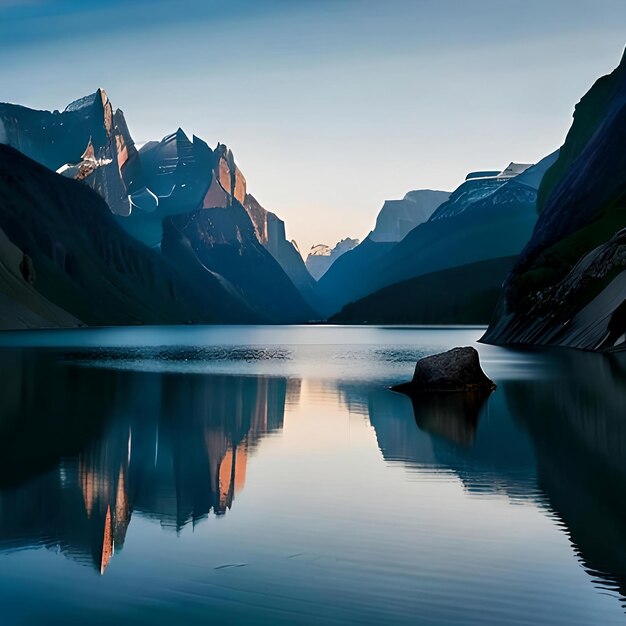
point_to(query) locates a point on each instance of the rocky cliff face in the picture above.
(192, 201)
(270, 231)
(88, 141)
(76, 257)
(321, 256)
(398, 217)
(174, 177)
(569, 285)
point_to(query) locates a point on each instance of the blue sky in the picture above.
(330, 106)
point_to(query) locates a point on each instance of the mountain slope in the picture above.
(461, 295)
(270, 231)
(489, 216)
(82, 261)
(21, 305)
(223, 240)
(569, 285)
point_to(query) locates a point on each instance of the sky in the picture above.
(330, 106)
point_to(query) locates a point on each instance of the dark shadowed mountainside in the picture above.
(490, 216)
(460, 295)
(569, 286)
(77, 257)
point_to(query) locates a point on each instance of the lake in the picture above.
(266, 475)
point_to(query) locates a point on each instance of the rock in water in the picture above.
(455, 370)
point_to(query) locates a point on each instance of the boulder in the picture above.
(455, 370)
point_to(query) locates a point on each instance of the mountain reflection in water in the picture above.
(172, 447)
(86, 450)
(559, 441)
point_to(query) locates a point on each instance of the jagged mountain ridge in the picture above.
(569, 285)
(321, 257)
(184, 182)
(80, 260)
(89, 141)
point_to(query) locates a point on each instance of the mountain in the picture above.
(270, 231)
(489, 216)
(568, 287)
(398, 217)
(347, 278)
(223, 239)
(460, 295)
(192, 201)
(88, 141)
(321, 256)
(21, 305)
(174, 176)
(78, 264)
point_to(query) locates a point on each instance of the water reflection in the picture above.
(578, 429)
(560, 442)
(169, 446)
(88, 454)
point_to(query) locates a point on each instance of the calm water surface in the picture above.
(267, 475)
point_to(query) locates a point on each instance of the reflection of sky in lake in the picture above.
(302, 490)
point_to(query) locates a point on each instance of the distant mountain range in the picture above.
(490, 216)
(156, 194)
(78, 265)
(321, 256)
(94, 231)
(398, 218)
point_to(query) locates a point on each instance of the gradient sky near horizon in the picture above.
(330, 106)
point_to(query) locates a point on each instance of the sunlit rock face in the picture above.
(398, 217)
(229, 175)
(321, 256)
(190, 202)
(89, 140)
(270, 231)
(569, 286)
(491, 215)
(75, 256)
